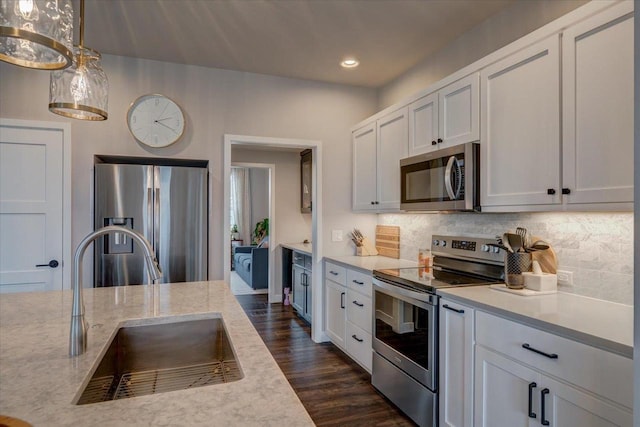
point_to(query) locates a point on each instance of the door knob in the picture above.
(53, 264)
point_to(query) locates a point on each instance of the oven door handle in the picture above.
(453, 195)
(416, 298)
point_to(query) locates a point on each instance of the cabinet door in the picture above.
(567, 406)
(393, 142)
(307, 294)
(359, 310)
(336, 312)
(502, 391)
(423, 125)
(456, 364)
(298, 289)
(598, 107)
(359, 345)
(364, 168)
(520, 142)
(460, 112)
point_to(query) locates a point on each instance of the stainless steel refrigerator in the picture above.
(168, 204)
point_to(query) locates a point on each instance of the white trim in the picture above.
(66, 187)
(317, 297)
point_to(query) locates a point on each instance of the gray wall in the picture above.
(215, 102)
(636, 238)
(495, 32)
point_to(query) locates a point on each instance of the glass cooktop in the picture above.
(428, 279)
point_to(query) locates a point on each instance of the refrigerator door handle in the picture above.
(156, 223)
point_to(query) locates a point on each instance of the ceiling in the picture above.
(304, 39)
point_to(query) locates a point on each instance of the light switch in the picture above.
(336, 235)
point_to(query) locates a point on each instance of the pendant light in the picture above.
(36, 33)
(82, 90)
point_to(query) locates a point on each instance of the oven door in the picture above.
(445, 179)
(405, 330)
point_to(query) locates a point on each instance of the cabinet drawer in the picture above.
(360, 282)
(359, 345)
(599, 371)
(335, 273)
(359, 310)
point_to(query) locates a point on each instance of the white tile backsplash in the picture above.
(596, 247)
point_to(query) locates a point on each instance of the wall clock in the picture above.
(155, 120)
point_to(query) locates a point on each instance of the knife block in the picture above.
(367, 248)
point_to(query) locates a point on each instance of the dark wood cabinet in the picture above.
(305, 180)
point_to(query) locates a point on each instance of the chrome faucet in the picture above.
(78, 334)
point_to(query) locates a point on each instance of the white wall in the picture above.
(636, 238)
(495, 32)
(215, 102)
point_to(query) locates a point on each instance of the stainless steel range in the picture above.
(405, 324)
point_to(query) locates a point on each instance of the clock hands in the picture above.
(168, 127)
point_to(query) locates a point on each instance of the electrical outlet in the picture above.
(564, 277)
(336, 235)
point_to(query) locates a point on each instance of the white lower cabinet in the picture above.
(455, 389)
(348, 311)
(527, 377)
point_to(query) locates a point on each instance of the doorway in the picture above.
(275, 286)
(251, 203)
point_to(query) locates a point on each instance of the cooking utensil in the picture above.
(524, 234)
(498, 245)
(505, 242)
(539, 245)
(515, 241)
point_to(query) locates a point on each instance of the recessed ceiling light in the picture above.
(350, 63)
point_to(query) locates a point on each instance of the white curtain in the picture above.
(241, 203)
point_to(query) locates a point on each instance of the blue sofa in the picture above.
(252, 264)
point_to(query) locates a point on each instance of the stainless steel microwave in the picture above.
(443, 180)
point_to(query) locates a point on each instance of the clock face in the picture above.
(155, 120)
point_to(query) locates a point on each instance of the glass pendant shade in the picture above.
(36, 33)
(80, 91)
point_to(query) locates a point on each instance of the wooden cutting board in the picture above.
(388, 240)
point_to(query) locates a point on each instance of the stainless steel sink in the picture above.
(155, 358)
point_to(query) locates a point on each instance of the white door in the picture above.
(364, 168)
(393, 145)
(456, 365)
(503, 391)
(520, 141)
(31, 208)
(423, 125)
(460, 112)
(597, 57)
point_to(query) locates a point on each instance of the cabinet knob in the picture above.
(566, 191)
(439, 140)
(551, 191)
(433, 142)
(373, 203)
(377, 202)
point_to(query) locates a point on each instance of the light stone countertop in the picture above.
(603, 324)
(370, 263)
(38, 380)
(305, 248)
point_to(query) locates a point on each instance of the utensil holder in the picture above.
(514, 265)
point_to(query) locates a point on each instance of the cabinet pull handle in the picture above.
(373, 203)
(335, 273)
(551, 191)
(531, 387)
(550, 356)
(358, 304)
(566, 191)
(377, 202)
(452, 309)
(355, 337)
(358, 282)
(439, 140)
(434, 142)
(543, 417)
(342, 300)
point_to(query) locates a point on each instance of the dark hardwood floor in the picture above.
(334, 389)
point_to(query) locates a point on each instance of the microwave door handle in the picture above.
(459, 178)
(447, 177)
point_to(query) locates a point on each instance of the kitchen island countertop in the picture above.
(603, 324)
(39, 381)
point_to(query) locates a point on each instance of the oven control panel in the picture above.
(480, 248)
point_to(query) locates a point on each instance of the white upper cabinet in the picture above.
(377, 150)
(520, 136)
(445, 118)
(365, 145)
(392, 146)
(597, 61)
